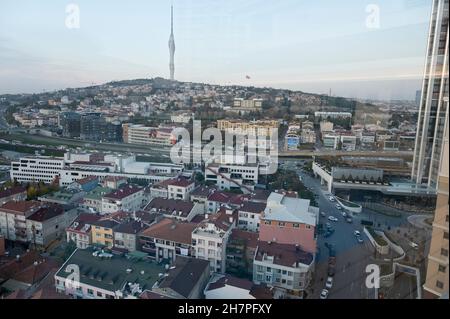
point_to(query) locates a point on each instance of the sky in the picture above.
(355, 48)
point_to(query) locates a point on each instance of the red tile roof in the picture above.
(123, 192)
(47, 212)
(20, 207)
(284, 254)
(169, 229)
(169, 206)
(12, 191)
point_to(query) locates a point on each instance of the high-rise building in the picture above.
(436, 284)
(433, 110)
(171, 47)
(69, 122)
(91, 126)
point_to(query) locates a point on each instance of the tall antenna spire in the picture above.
(171, 47)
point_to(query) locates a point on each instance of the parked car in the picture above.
(349, 220)
(338, 206)
(329, 232)
(331, 265)
(332, 218)
(323, 214)
(331, 198)
(344, 214)
(329, 283)
(328, 225)
(359, 239)
(324, 294)
(357, 233)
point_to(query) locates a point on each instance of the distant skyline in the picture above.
(311, 46)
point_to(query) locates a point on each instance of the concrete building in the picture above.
(128, 198)
(103, 232)
(285, 267)
(174, 208)
(326, 126)
(233, 176)
(249, 215)
(144, 135)
(180, 188)
(13, 219)
(288, 220)
(437, 281)
(16, 193)
(253, 128)
(210, 238)
(330, 141)
(126, 235)
(79, 231)
(433, 109)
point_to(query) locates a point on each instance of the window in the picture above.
(211, 243)
(444, 252)
(90, 291)
(99, 294)
(296, 225)
(446, 235)
(442, 268)
(281, 224)
(439, 284)
(267, 222)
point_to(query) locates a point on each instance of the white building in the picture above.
(128, 198)
(249, 214)
(36, 168)
(233, 176)
(210, 238)
(180, 188)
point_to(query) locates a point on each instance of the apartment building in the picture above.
(330, 141)
(219, 199)
(103, 232)
(174, 208)
(263, 128)
(288, 220)
(127, 198)
(167, 239)
(241, 249)
(249, 215)
(79, 231)
(126, 235)
(285, 267)
(209, 239)
(144, 135)
(13, 219)
(16, 193)
(93, 199)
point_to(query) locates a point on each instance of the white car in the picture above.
(344, 214)
(324, 294)
(329, 283)
(332, 218)
(338, 206)
(331, 198)
(357, 233)
(323, 214)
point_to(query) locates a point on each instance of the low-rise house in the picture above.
(107, 276)
(126, 235)
(17, 193)
(240, 252)
(114, 182)
(174, 208)
(127, 198)
(283, 266)
(185, 280)
(80, 230)
(86, 184)
(210, 238)
(201, 194)
(249, 214)
(167, 239)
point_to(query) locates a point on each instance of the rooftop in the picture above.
(287, 209)
(252, 207)
(131, 227)
(20, 207)
(113, 273)
(169, 229)
(170, 206)
(283, 254)
(47, 212)
(12, 191)
(123, 192)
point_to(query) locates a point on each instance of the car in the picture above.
(344, 214)
(329, 232)
(413, 245)
(324, 294)
(338, 206)
(357, 233)
(331, 198)
(323, 214)
(329, 282)
(349, 220)
(332, 218)
(359, 239)
(328, 225)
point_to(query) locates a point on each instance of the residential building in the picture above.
(348, 142)
(103, 232)
(180, 188)
(249, 215)
(330, 141)
(229, 287)
(107, 276)
(263, 128)
(167, 239)
(201, 194)
(220, 199)
(13, 219)
(80, 230)
(16, 193)
(127, 198)
(185, 280)
(126, 235)
(144, 135)
(288, 220)
(285, 267)
(240, 252)
(93, 199)
(63, 197)
(210, 238)
(326, 126)
(308, 136)
(331, 115)
(174, 208)
(433, 109)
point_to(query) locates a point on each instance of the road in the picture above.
(351, 256)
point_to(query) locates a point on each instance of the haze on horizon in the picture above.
(299, 45)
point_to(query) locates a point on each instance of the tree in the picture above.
(199, 178)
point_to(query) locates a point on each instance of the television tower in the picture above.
(171, 47)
